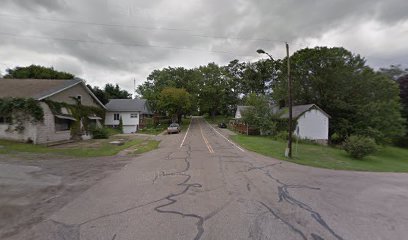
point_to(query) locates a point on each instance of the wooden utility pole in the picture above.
(289, 149)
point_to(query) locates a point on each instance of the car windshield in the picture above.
(174, 125)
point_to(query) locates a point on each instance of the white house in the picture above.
(311, 121)
(132, 111)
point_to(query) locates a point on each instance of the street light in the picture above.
(288, 151)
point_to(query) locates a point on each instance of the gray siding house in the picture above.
(131, 111)
(56, 126)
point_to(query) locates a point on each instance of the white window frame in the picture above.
(114, 117)
(134, 115)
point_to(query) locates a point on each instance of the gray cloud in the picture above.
(127, 39)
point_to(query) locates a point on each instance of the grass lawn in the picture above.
(93, 148)
(387, 159)
(145, 146)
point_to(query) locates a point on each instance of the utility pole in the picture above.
(288, 151)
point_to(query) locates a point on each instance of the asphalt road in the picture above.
(201, 186)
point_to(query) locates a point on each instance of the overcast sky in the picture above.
(117, 41)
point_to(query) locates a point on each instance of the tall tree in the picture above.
(169, 77)
(217, 94)
(37, 72)
(403, 86)
(358, 99)
(175, 101)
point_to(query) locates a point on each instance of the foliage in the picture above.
(99, 133)
(403, 86)
(394, 71)
(20, 110)
(37, 72)
(259, 114)
(359, 146)
(110, 91)
(387, 159)
(354, 95)
(175, 101)
(79, 112)
(169, 78)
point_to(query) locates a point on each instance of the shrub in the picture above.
(282, 135)
(359, 146)
(100, 133)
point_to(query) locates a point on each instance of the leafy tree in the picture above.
(358, 99)
(175, 101)
(260, 114)
(37, 72)
(114, 92)
(403, 86)
(110, 91)
(99, 93)
(169, 77)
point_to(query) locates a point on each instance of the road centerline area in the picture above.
(210, 149)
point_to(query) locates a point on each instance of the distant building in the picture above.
(311, 121)
(131, 111)
(56, 126)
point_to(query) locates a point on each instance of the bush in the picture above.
(100, 133)
(282, 135)
(359, 146)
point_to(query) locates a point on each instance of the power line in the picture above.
(147, 28)
(118, 44)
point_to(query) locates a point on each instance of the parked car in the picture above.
(222, 125)
(174, 128)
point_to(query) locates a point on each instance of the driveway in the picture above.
(199, 185)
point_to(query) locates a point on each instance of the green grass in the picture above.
(103, 149)
(153, 130)
(387, 159)
(146, 147)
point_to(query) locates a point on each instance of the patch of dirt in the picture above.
(26, 200)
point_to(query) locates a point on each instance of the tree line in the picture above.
(359, 99)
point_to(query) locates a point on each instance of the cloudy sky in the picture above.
(117, 41)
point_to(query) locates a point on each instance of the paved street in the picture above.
(199, 185)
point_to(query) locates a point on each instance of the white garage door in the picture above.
(129, 129)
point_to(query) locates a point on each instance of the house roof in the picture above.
(298, 110)
(38, 89)
(128, 105)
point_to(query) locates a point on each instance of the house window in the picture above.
(62, 124)
(116, 116)
(79, 98)
(133, 115)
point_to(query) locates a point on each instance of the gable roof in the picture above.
(39, 89)
(298, 110)
(128, 105)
